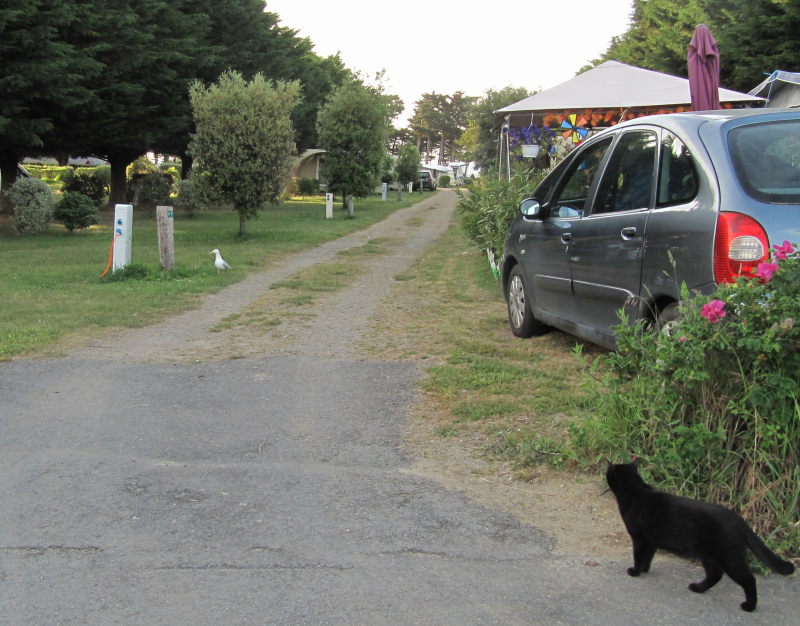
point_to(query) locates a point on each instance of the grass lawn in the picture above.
(51, 286)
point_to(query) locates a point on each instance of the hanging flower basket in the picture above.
(530, 150)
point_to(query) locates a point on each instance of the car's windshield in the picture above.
(766, 157)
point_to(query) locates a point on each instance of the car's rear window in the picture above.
(766, 157)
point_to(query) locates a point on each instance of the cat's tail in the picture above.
(765, 555)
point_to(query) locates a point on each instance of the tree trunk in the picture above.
(8, 168)
(186, 165)
(117, 193)
(242, 224)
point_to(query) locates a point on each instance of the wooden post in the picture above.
(350, 212)
(166, 237)
(328, 206)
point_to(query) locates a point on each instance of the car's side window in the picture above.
(628, 179)
(677, 175)
(570, 199)
(542, 192)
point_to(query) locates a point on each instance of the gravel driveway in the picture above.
(335, 327)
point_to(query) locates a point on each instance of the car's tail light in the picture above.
(740, 245)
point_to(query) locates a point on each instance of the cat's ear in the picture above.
(634, 460)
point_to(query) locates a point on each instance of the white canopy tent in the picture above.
(601, 97)
(614, 91)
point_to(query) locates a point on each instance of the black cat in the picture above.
(691, 528)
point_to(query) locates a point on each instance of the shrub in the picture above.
(150, 189)
(712, 400)
(407, 166)
(444, 180)
(290, 189)
(53, 175)
(33, 202)
(76, 210)
(308, 186)
(490, 206)
(103, 174)
(84, 181)
(190, 197)
(139, 167)
(172, 169)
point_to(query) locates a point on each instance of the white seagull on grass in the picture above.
(220, 263)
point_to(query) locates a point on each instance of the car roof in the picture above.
(694, 119)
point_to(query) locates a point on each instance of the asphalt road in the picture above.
(277, 491)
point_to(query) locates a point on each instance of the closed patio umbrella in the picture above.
(703, 64)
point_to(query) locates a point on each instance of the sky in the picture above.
(428, 46)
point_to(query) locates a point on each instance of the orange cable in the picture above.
(110, 255)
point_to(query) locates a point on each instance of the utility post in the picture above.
(166, 237)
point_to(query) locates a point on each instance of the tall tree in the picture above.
(147, 50)
(408, 162)
(42, 74)
(755, 37)
(111, 79)
(353, 127)
(658, 36)
(318, 77)
(454, 121)
(244, 36)
(425, 122)
(484, 124)
(439, 120)
(244, 141)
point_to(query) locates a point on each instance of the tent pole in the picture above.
(508, 148)
(500, 154)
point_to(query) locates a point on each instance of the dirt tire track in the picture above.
(336, 326)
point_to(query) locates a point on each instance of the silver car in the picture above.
(639, 209)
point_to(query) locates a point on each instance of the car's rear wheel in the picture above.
(668, 318)
(520, 314)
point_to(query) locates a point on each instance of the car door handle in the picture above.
(628, 232)
(566, 237)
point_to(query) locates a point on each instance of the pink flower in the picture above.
(765, 271)
(783, 251)
(682, 339)
(714, 311)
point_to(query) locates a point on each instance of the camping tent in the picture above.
(781, 89)
(610, 93)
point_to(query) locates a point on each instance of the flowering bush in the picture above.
(713, 399)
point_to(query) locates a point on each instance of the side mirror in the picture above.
(530, 207)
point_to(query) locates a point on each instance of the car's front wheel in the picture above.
(520, 313)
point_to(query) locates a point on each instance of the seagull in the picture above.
(219, 262)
